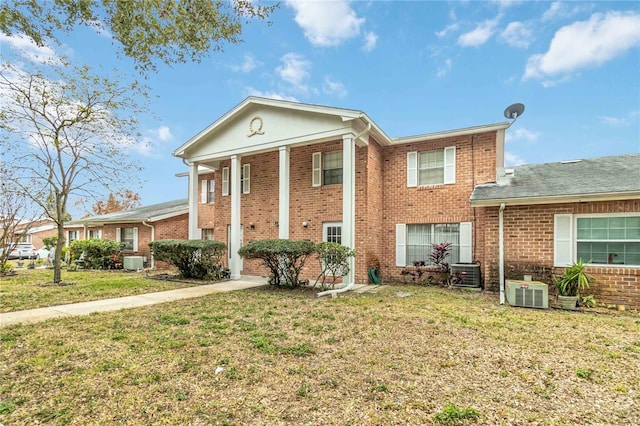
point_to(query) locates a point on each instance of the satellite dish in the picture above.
(514, 111)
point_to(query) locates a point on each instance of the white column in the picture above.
(234, 181)
(283, 194)
(194, 232)
(349, 200)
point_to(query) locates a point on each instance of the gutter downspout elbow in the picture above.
(501, 251)
(152, 263)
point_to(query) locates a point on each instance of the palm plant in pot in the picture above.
(573, 279)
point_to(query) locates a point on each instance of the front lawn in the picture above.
(263, 357)
(32, 288)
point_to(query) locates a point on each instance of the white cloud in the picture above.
(29, 50)
(480, 34)
(326, 23)
(517, 34)
(511, 159)
(586, 43)
(332, 87)
(248, 65)
(448, 29)
(621, 121)
(164, 134)
(270, 95)
(444, 69)
(559, 10)
(554, 10)
(370, 41)
(100, 29)
(295, 70)
(521, 134)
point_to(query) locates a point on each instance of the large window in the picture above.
(72, 236)
(608, 240)
(94, 234)
(420, 238)
(245, 180)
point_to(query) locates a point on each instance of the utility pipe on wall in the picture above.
(501, 250)
(152, 263)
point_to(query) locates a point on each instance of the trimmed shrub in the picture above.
(199, 259)
(284, 258)
(96, 254)
(334, 262)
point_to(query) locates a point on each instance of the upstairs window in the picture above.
(327, 168)
(245, 180)
(208, 193)
(435, 167)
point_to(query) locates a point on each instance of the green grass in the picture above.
(32, 288)
(435, 357)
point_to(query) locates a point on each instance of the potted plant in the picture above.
(573, 279)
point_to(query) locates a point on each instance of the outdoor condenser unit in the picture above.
(133, 263)
(469, 272)
(527, 294)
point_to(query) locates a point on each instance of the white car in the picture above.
(22, 251)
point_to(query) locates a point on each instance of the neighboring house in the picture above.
(136, 228)
(34, 232)
(554, 214)
(282, 169)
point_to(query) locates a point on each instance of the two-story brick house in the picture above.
(281, 169)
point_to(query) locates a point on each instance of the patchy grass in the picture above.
(32, 288)
(277, 358)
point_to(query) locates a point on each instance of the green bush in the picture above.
(95, 254)
(334, 262)
(199, 259)
(284, 258)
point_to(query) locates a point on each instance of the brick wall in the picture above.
(475, 164)
(528, 241)
(206, 211)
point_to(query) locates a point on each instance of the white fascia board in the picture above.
(202, 170)
(451, 133)
(167, 215)
(557, 199)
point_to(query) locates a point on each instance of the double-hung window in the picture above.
(436, 167)
(327, 168)
(94, 234)
(414, 242)
(72, 236)
(128, 237)
(207, 234)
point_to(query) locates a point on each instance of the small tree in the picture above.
(67, 134)
(284, 258)
(439, 255)
(334, 262)
(199, 259)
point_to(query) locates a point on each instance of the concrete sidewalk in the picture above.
(86, 308)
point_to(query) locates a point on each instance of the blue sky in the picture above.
(413, 67)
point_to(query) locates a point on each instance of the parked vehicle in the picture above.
(22, 251)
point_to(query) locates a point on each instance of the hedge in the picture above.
(199, 259)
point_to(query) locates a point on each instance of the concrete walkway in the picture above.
(86, 308)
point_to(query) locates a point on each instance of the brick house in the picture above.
(280, 169)
(136, 228)
(547, 216)
(34, 232)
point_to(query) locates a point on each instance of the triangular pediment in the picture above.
(258, 125)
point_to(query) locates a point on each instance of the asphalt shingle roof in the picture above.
(146, 213)
(595, 176)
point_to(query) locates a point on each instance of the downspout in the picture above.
(501, 250)
(349, 285)
(152, 263)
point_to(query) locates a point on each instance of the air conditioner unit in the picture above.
(469, 272)
(527, 294)
(133, 263)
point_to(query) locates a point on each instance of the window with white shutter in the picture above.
(225, 181)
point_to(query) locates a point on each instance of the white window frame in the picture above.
(245, 179)
(465, 243)
(449, 167)
(211, 191)
(69, 239)
(205, 231)
(565, 247)
(317, 168)
(135, 238)
(325, 230)
(94, 231)
(225, 181)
